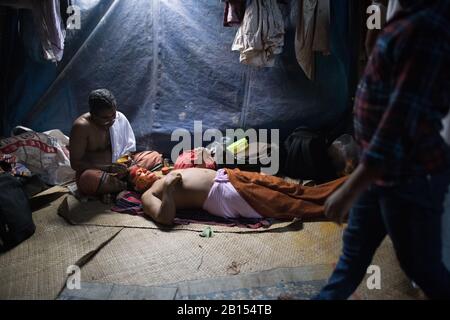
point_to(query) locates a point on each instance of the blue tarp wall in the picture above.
(169, 62)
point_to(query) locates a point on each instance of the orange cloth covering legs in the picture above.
(272, 197)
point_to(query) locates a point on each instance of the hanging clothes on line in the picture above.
(48, 23)
(261, 35)
(312, 33)
(233, 13)
(47, 16)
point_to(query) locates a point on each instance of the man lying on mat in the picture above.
(98, 140)
(230, 194)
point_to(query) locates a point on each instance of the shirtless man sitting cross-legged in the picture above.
(97, 140)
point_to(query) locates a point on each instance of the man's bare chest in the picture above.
(99, 140)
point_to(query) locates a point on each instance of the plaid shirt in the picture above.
(404, 94)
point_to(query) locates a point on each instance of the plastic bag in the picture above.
(44, 154)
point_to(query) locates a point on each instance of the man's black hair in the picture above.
(101, 99)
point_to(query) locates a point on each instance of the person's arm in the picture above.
(162, 211)
(78, 146)
(339, 203)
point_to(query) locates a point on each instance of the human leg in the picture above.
(96, 182)
(413, 215)
(364, 233)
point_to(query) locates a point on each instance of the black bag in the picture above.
(306, 156)
(16, 222)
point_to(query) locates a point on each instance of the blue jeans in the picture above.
(412, 215)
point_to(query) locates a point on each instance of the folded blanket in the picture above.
(130, 202)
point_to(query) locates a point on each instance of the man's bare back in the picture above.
(180, 189)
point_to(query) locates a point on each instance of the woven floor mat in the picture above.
(394, 284)
(153, 257)
(37, 268)
(157, 258)
(95, 213)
